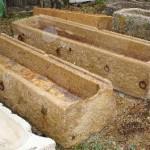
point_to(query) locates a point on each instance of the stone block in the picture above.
(113, 6)
(133, 22)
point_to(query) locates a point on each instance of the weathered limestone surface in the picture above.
(16, 134)
(120, 4)
(121, 59)
(98, 21)
(62, 100)
(133, 22)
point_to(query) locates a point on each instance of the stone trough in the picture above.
(16, 134)
(63, 101)
(121, 59)
(98, 21)
(133, 22)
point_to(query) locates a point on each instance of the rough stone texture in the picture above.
(121, 59)
(98, 21)
(133, 22)
(62, 100)
(113, 6)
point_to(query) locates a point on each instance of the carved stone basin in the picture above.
(15, 133)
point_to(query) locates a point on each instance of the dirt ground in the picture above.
(129, 130)
(5, 23)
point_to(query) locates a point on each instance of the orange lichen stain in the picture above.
(28, 74)
(56, 92)
(38, 80)
(46, 85)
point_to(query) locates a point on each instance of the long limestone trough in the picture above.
(63, 101)
(121, 59)
(16, 134)
(98, 21)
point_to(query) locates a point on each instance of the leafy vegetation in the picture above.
(2, 8)
(100, 1)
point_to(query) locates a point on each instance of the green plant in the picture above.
(2, 8)
(66, 2)
(100, 1)
(132, 147)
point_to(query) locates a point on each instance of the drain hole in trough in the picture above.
(44, 111)
(58, 51)
(21, 37)
(73, 137)
(142, 85)
(2, 86)
(70, 50)
(106, 68)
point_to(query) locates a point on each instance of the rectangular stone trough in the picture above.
(63, 101)
(121, 59)
(133, 22)
(118, 5)
(98, 21)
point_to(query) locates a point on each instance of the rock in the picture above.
(133, 22)
(111, 7)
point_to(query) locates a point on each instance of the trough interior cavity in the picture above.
(95, 38)
(39, 80)
(58, 28)
(71, 81)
